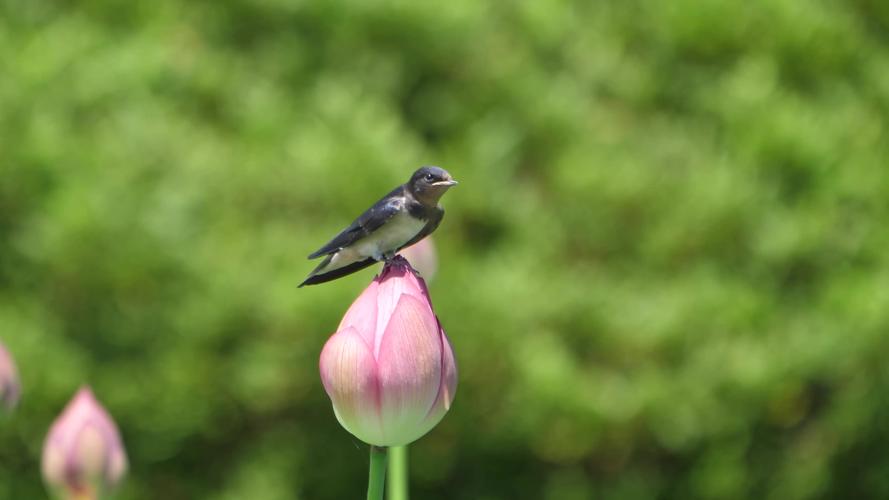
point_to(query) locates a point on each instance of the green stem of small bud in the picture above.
(377, 475)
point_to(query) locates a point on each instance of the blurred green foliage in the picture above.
(664, 271)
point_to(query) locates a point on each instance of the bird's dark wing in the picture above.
(337, 273)
(431, 224)
(365, 224)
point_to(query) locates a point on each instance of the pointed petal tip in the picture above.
(83, 445)
(396, 266)
(85, 392)
(400, 268)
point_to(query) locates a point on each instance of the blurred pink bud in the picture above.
(423, 257)
(9, 380)
(389, 369)
(83, 456)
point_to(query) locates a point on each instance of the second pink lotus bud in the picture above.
(9, 380)
(83, 456)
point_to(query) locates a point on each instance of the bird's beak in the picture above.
(449, 182)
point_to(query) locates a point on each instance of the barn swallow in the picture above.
(403, 217)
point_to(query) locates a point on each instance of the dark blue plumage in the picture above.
(403, 217)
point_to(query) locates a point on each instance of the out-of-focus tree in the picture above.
(663, 272)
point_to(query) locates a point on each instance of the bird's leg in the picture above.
(384, 257)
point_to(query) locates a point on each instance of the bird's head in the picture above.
(429, 183)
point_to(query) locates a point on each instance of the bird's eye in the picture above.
(430, 177)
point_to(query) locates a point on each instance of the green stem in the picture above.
(398, 476)
(377, 475)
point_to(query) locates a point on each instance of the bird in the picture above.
(403, 217)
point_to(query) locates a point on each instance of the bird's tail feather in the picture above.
(324, 277)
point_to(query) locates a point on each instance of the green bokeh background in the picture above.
(665, 272)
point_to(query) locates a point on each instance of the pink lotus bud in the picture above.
(83, 456)
(423, 257)
(389, 369)
(9, 380)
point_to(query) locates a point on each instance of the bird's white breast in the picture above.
(395, 233)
